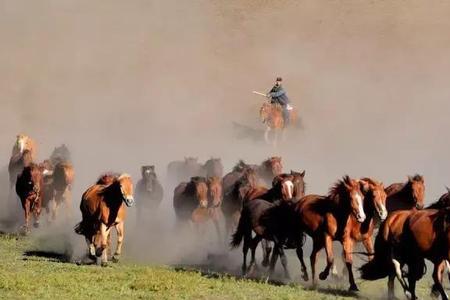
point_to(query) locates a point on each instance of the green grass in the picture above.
(38, 277)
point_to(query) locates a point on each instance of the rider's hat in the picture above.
(279, 79)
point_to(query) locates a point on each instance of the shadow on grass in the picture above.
(47, 255)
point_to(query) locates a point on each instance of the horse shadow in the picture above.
(50, 256)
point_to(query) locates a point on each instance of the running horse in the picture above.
(63, 177)
(29, 188)
(187, 197)
(408, 237)
(22, 154)
(149, 192)
(268, 169)
(103, 206)
(272, 116)
(327, 218)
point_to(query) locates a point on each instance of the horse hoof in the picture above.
(115, 259)
(305, 277)
(104, 264)
(36, 224)
(265, 263)
(353, 288)
(323, 275)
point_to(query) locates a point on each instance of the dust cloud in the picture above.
(128, 83)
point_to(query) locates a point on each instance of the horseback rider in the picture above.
(277, 95)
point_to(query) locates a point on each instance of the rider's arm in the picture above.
(277, 94)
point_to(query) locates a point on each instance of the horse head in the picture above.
(21, 142)
(374, 196)
(299, 184)
(126, 189)
(214, 167)
(417, 185)
(355, 198)
(149, 177)
(274, 165)
(201, 191)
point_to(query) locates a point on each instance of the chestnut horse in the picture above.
(17, 163)
(257, 209)
(408, 237)
(29, 188)
(327, 218)
(215, 196)
(149, 192)
(272, 116)
(402, 196)
(102, 207)
(374, 207)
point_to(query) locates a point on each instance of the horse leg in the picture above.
(317, 245)
(348, 249)
(267, 249)
(299, 251)
(100, 250)
(36, 212)
(266, 135)
(330, 257)
(68, 202)
(254, 244)
(399, 276)
(284, 262)
(91, 248)
(438, 273)
(245, 247)
(27, 207)
(273, 261)
(391, 290)
(120, 235)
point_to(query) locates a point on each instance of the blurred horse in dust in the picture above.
(272, 116)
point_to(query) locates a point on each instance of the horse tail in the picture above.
(381, 264)
(242, 229)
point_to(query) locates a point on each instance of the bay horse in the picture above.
(272, 116)
(253, 211)
(213, 168)
(149, 192)
(408, 237)
(29, 188)
(236, 185)
(187, 197)
(325, 219)
(403, 196)
(63, 178)
(17, 163)
(103, 206)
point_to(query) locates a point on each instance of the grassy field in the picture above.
(27, 273)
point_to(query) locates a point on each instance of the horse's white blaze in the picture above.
(21, 144)
(384, 213)
(361, 214)
(289, 187)
(147, 171)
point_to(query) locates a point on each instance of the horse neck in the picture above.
(112, 193)
(341, 209)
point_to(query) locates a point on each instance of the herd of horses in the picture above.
(259, 205)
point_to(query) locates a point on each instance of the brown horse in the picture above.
(407, 238)
(29, 188)
(17, 163)
(24, 142)
(190, 200)
(60, 154)
(326, 218)
(149, 192)
(272, 116)
(374, 207)
(102, 207)
(63, 177)
(215, 196)
(402, 196)
(256, 212)
(213, 168)
(236, 185)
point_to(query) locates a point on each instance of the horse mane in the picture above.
(240, 166)
(191, 185)
(441, 203)
(338, 189)
(102, 179)
(370, 181)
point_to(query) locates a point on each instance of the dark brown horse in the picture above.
(407, 238)
(149, 192)
(190, 196)
(60, 154)
(326, 218)
(29, 188)
(235, 186)
(213, 168)
(102, 207)
(256, 212)
(401, 196)
(269, 168)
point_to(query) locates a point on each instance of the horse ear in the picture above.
(410, 179)
(447, 188)
(302, 174)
